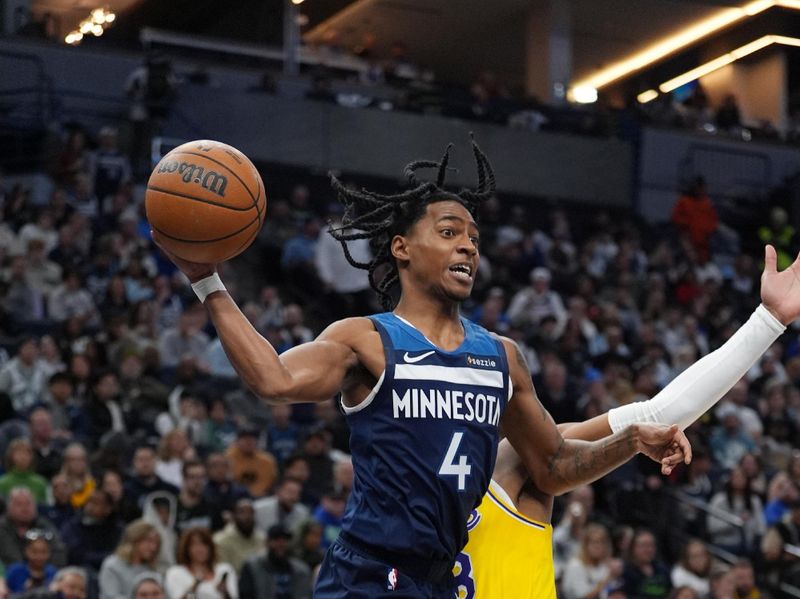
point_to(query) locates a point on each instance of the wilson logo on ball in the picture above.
(211, 180)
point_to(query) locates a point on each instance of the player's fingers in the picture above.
(685, 446)
(770, 259)
(666, 470)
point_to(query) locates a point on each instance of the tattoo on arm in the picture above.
(579, 462)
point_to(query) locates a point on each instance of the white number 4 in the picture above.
(449, 465)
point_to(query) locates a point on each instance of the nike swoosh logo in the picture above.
(414, 359)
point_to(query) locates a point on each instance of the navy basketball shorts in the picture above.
(346, 574)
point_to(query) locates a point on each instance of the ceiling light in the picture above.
(97, 30)
(297, 2)
(680, 40)
(110, 17)
(726, 59)
(583, 94)
(86, 27)
(647, 96)
(98, 15)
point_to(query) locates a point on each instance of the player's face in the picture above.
(442, 250)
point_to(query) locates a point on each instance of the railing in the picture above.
(732, 519)
(40, 88)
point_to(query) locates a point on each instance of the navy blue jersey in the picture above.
(425, 440)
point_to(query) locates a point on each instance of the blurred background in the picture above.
(645, 150)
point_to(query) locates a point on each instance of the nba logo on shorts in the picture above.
(392, 580)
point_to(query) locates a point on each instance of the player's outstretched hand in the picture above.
(780, 291)
(193, 270)
(664, 444)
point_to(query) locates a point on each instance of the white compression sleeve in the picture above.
(702, 385)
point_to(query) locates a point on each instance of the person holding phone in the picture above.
(198, 574)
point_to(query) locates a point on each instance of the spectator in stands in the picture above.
(173, 450)
(47, 449)
(198, 571)
(71, 299)
(308, 546)
(534, 303)
(737, 500)
(35, 571)
(143, 479)
(108, 168)
(748, 417)
(320, 464)
(695, 216)
(135, 556)
(781, 494)
(22, 301)
(744, 580)
(21, 517)
(252, 468)
(781, 235)
(124, 509)
(728, 117)
(186, 339)
(221, 428)
(76, 470)
(722, 585)
(148, 586)
(728, 441)
(297, 260)
(43, 274)
(347, 291)
(193, 511)
(221, 493)
(283, 507)
(694, 568)
(644, 575)
(240, 539)
(20, 471)
(104, 414)
(68, 583)
(779, 425)
(93, 533)
(592, 569)
(570, 530)
(43, 229)
(329, 513)
(74, 158)
(63, 409)
(23, 377)
(61, 510)
(275, 574)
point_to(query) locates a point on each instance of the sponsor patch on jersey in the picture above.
(485, 362)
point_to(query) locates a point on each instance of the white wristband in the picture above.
(205, 287)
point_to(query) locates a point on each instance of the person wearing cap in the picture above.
(239, 539)
(532, 304)
(254, 469)
(275, 574)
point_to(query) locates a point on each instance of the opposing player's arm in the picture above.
(557, 465)
(310, 372)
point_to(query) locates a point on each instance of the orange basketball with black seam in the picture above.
(206, 200)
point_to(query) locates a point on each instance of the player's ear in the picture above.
(399, 247)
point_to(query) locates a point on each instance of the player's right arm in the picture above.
(310, 372)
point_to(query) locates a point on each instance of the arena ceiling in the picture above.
(457, 38)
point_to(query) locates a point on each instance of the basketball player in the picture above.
(509, 553)
(424, 391)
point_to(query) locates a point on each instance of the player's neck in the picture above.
(438, 321)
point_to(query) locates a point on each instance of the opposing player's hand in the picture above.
(193, 270)
(780, 291)
(666, 445)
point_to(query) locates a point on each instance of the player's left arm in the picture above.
(557, 465)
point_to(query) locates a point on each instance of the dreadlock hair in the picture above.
(378, 218)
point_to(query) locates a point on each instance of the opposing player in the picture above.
(509, 553)
(424, 392)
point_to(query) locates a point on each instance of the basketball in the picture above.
(206, 200)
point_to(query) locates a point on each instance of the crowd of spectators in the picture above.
(135, 465)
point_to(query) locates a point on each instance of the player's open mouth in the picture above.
(462, 272)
